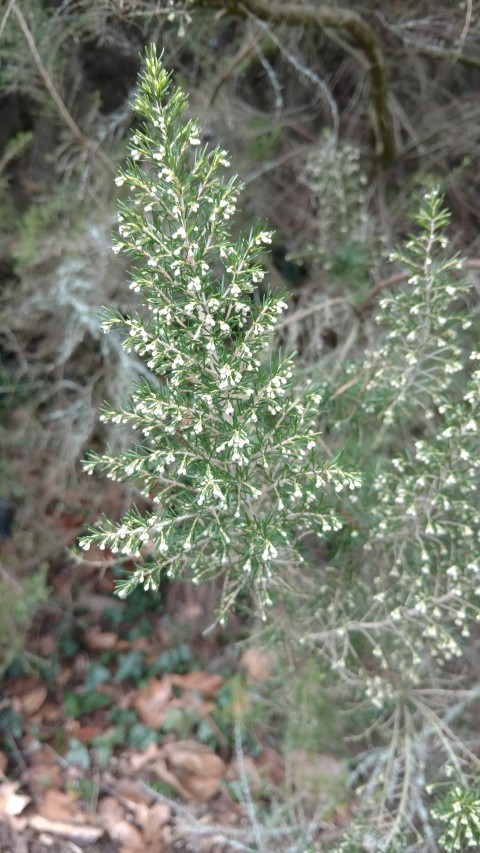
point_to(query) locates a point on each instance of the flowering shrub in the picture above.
(344, 243)
(227, 449)
(407, 415)
(226, 462)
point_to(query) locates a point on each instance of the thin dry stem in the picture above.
(326, 18)
(66, 117)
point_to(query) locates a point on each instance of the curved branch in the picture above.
(245, 50)
(399, 278)
(445, 53)
(325, 17)
(70, 122)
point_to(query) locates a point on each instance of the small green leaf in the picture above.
(97, 674)
(76, 704)
(140, 736)
(77, 754)
(130, 666)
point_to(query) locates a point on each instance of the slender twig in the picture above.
(400, 278)
(406, 782)
(305, 72)
(247, 798)
(273, 164)
(66, 117)
(391, 281)
(330, 18)
(297, 316)
(466, 27)
(245, 50)
(436, 51)
(5, 16)
(384, 284)
(445, 53)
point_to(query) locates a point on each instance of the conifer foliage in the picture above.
(227, 449)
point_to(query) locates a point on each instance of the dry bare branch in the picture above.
(329, 18)
(63, 112)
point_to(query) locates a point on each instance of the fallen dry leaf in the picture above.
(258, 665)
(81, 834)
(3, 762)
(201, 788)
(48, 713)
(132, 791)
(29, 698)
(42, 775)
(138, 760)
(190, 768)
(110, 811)
(129, 838)
(190, 756)
(12, 803)
(151, 820)
(204, 682)
(99, 641)
(161, 769)
(61, 806)
(16, 826)
(152, 700)
(86, 733)
(154, 817)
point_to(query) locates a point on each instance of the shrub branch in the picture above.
(325, 18)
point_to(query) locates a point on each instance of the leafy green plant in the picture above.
(227, 451)
(407, 415)
(227, 465)
(177, 659)
(130, 666)
(77, 704)
(77, 753)
(346, 243)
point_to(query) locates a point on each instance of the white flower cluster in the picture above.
(459, 812)
(422, 353)
(400, 606)
(337, 182)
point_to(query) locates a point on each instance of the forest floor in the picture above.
(132, 731)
